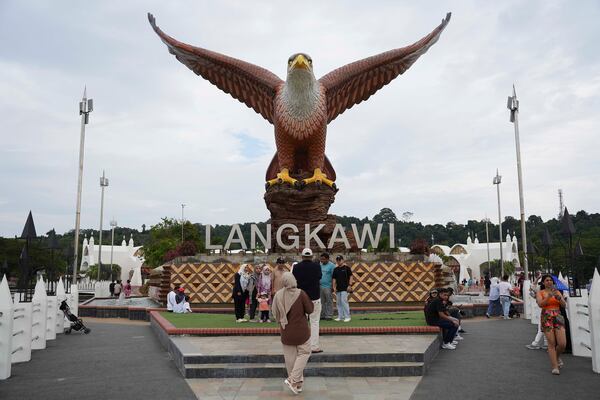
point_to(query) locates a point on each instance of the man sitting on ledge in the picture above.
(436, 314)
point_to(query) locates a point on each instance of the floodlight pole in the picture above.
(113, 225)
(497, 181)
(513, 106)
(487, 239)
(103, 184)
(86, 106)
(182, 220)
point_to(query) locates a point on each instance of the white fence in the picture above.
(28, 326)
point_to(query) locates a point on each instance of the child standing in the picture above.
(263, 307)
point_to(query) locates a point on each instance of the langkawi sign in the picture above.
(294, 241)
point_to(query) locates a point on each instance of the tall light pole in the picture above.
(182, 219)
(86, 106)
(513, 106)
(497, 181)
(487, 239)
(103, 184)
(113, 225)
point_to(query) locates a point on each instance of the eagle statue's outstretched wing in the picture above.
(357, 81)
(246, 82)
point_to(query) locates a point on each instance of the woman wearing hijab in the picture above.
(179, 307)
(242, 280)
(264, 283)
(290, 309)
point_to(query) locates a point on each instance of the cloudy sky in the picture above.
(429, 142)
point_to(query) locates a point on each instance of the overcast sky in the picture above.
(429, 142)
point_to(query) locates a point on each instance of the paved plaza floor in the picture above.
(123, 359)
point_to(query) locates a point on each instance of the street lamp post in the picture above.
(513, 106)
(103, 184)
(487, 239)
(182, 220)
(113, 225)
(86, 106)
(497, 181)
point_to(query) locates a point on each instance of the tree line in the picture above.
(163, 241)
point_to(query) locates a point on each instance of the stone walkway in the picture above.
(493, 363)
(392, 388)
(123, 360)
(115, 361)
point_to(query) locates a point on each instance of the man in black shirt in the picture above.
(308, 275)
(437, 315)
(341, 283)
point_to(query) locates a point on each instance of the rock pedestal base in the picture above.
(309, 205)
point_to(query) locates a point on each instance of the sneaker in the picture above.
(268, 320)
(337, 319)
(487, 315)
(448, 346)
(458, 337)
(261, 321)
(555, 371)
(532, 347)
(454, 343)
(240, 320)
(290, 386)
(560, 363)
(347, 320)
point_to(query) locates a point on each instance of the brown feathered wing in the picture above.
(248, 83)
(357, 81)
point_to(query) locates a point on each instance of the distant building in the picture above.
(127, 256)
(470, 257)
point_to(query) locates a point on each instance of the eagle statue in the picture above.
(301, 106)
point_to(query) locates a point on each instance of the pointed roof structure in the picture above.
(546, 238)
(29, 229)
(567, 224)
(53, 241)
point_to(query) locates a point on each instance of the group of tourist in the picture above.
(177, 301)
(500, 297)
(115, 288)
(297, 300)
(440, 311)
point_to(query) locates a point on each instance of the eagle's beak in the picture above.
(300, 62)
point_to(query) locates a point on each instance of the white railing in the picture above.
(28, 326)
(584, 320)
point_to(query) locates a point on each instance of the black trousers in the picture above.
(240, 304)
(253, 304)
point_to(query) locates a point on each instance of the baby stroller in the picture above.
(76, 323)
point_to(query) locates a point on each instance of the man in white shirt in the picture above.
(171, 298)
(505, 288)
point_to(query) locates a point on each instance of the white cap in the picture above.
(307, 252)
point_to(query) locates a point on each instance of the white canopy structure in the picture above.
(472, 255)
(126, 255)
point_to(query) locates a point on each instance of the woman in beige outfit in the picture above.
(290, 309)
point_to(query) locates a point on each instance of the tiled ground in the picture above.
(391, 388)
(355, 344)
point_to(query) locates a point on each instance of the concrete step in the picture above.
(314, 358)
(325, 369)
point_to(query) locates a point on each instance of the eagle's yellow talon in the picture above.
(282, 177)
(318, 178)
